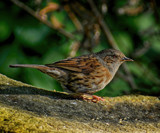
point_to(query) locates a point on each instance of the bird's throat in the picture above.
(113, 67)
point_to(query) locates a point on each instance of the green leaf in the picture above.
(124, 42)
(31, 34)
(5, 27)
(144, 21)
(136, 69)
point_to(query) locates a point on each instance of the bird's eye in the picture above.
(114, 56)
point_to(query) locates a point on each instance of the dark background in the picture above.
(29, 35)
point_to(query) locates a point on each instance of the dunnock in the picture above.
(85, 74)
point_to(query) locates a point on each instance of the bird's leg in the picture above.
(97, 98)
(89, 97)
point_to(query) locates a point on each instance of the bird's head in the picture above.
(113, 58)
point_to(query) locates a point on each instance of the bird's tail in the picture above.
(51, 71)
(29, 66)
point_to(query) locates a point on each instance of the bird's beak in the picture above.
(126, 59)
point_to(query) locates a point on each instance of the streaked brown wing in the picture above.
(85, 64)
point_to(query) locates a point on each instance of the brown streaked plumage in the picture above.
(85, 74)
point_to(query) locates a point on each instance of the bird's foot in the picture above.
(90, 98)
(97, 98)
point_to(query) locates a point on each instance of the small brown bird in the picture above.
(85, 74)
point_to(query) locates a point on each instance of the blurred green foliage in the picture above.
(25, 40)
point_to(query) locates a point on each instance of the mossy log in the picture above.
(24, 108)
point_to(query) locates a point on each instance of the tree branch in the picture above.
(105, 28)
(37, 16)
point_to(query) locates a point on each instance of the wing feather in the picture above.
(84, 64)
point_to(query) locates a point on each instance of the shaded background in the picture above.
(45, 31)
